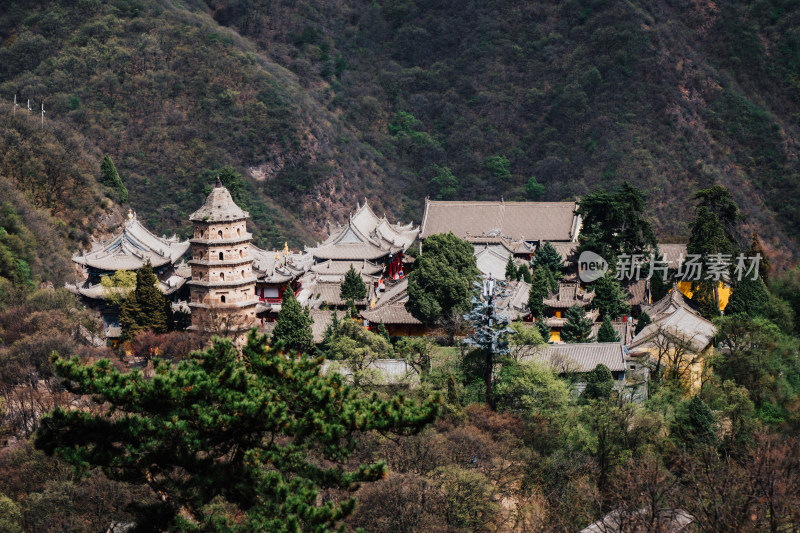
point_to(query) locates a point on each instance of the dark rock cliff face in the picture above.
(320, 103)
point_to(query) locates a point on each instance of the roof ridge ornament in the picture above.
(218, 184)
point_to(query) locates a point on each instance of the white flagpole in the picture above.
(42, 114)
(15, 104)
(29, 105)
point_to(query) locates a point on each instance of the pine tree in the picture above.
(599, 384)
(381, 330)
(353, 287)
(707, 238)
(607, 333)
(609, 298)
(694, 424)
(144, 309)
(511, 269)
(548, 257)
(643, 320)
(255, 435)
(111, 178)
(524, 273)
(749, 296)
(577, 328)
(541, 286)
(293, 327)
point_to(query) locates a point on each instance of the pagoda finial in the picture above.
(130, 214)
(219, 183)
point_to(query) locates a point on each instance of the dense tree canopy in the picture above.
(615, 224)
(232, 442)
(441, 282)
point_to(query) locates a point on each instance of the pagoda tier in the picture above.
(223, 282)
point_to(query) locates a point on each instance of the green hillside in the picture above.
(319, 103)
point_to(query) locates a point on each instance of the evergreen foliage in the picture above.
(643, 320)
(755, 354)
(293, 326)
(707, 238)
(441, 282)
(718, 200)
(542, 285)
(511, 269)
(233, 441)
(547, 256)
(533, 189)
(111, 178)
(353, 287)
(524, 273)
(749, 296)
(444, 183)
(610, 298)
(694, 425)
(145, 308)
(577, 328)
(599, 384)
(607, 333)
(615, 223)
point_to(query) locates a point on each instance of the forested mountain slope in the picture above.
(320, 102)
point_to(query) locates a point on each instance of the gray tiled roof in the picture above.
(321, 321)
(219, 207)
(673, 253)
(132, 248)
(684, 325)
(531, 221)
(584, 357)
(569, 294)
(364, 237)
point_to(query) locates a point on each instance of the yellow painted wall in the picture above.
(555, 335)
(723, 289)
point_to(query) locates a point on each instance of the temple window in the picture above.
(222, 276)
(220, 256)
(222, 298)
(219, 233)
(202, 233)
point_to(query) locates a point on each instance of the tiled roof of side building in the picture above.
(581, 357)
(569, 294)
(674, 254)
(684, 326)
(394, 313)
(553, 221)
(219, 207)
(321, 320)
(132, 248)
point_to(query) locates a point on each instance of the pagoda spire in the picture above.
(219, 183)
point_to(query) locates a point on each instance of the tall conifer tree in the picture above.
(293, 327)
(577, 328)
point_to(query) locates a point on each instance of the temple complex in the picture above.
(223, 297)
